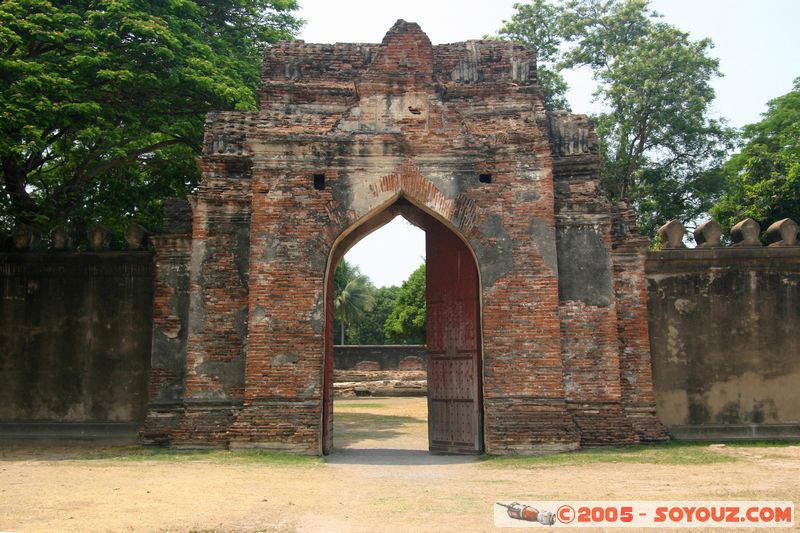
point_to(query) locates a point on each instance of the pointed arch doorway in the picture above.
(454, 359)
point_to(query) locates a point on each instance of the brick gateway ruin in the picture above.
(537, 328)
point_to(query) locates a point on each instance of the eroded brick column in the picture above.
(630, 287)
(589, 343)
(218, 301)
(170, 324)
(524, 396)
(289, 253)
(170, 321)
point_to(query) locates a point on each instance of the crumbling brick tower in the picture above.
(537, 309)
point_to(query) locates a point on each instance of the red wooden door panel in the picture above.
(453, 340)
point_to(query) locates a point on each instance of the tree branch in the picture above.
(129, 157)
(14, 184)
(70, 192)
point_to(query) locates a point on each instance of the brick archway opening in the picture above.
(454, 343)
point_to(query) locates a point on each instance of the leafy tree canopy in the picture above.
(661, 147)
(406, 323)
(102, 101)
(763, 178)
(353, 298)
(370, 329)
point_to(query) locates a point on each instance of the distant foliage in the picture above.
(763, 178)
(406, 323)
(370, 329)
(102, 103)
(353, 298)
(364, 314)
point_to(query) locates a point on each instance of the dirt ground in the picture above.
(381, 479)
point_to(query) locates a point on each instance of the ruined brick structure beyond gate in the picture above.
(455, 138)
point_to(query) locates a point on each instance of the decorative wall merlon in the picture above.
(745, 234)
(782, 233)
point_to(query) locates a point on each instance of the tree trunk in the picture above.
(22, 207)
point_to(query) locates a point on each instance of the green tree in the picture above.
(352, 297)
(102, 102)
(763, 178)
(370, 329)
(661, 147)
(406, 323)
(537, 25)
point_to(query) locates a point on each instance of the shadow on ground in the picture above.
(351, 428)
(393, 457)
(372, 438)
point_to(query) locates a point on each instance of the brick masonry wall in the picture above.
(589, 299)
(167, 384)
(218, 302)
(630, 287)
(407, 127)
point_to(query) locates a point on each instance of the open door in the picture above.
(453, 339)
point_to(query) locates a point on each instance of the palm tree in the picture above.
(353, 296)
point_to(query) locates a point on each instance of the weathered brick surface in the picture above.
(170, 331)
(218, 303)
(452, 134)
(630, 287)
(601, 274)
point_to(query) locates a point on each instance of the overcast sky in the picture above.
(757, 43)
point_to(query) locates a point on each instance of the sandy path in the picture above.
(382, 480)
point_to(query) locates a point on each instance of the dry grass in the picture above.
(384, 480)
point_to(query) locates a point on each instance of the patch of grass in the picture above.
(673, 453)
(358, 405)
(252, 456)
(757, 444)
(143, 453)
(375, 420)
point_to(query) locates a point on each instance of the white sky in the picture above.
(757, 43)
